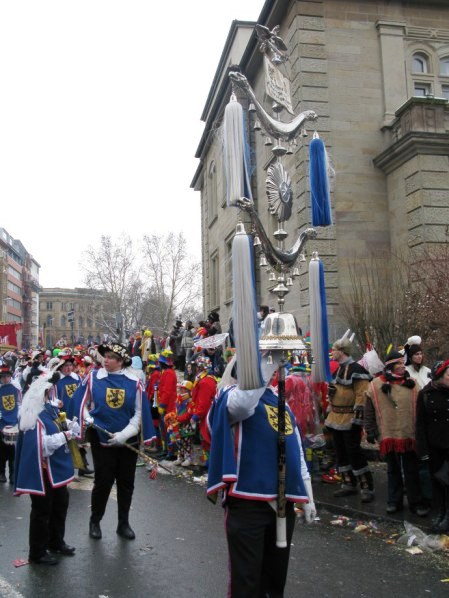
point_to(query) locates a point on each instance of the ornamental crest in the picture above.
(115, 397)
(272, 413)
(70, 389)
(8, 402)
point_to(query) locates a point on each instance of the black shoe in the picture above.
(393, 508)
(345, 490)
(85, 472)
(124, 530)
(94, 530)
(2, 478)
(45, 559)
(420, 511)
(367, 495)
(64, 549)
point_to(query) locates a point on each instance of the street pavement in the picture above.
(180, 549)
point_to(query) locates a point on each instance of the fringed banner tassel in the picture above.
(318, 322)
(249, 373)
(319, 184)
(235, 154)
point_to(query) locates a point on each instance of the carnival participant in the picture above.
(390, 418)
(151, 389)
(244, 460)
(10, 399)
(44, 469)
(203, 393)
(432, 440)
(414, 362)
(69, 381)
(166, 397)
(148, 347)
(110, 401)
(186, 432)
(345, 419)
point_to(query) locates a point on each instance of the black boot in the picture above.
(94, 529)
(3, 477)
(366, 487)
(85, 471)
(123, 528)
(443, 526)
(348, 485)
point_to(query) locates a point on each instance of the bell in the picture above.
(270, 359)
(289, 150)
(263, 261)
(256, 242)
(251, 108)
(268, 141)
(304, 133)
(302, 257)
(289, 282)
(272, 277)
(257, 126)
(295, 272)
(240, 228)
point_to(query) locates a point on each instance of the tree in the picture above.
(110, 267)
(376, 306)
(174, 279)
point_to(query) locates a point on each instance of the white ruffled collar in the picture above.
(103, 373)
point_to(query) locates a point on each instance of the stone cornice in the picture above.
(409, 146)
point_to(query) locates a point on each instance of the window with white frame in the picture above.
(420, 63)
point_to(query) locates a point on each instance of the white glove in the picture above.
(88, 419)
(118, 439)
(74, 427)
(309, 508)
(68, 434)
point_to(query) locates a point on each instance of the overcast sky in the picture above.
(100, 120)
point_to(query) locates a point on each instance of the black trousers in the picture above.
(112, 464)
(402, 470)
(257, 567)
(348, 451)
(47, 519)
(7, 455)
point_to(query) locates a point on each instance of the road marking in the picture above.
(6, 589)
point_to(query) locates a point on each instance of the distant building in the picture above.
(86, 307)
(377, 74)
(19, 288)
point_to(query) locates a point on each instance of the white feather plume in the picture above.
(34, 399)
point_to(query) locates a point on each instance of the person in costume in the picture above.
(203, 393)
(432, 440)
(345, 419)
(183, 416)
(112, 398)
(151, 389)
(10, 399)
(414, 362)
(68, 383)
(166, 397)
(390, 417)
(244, 460)
(44, 469)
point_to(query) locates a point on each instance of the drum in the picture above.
(10, 434)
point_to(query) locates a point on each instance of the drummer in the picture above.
(10, 399)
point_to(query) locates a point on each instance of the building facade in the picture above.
(377, 74)
(73, 316)
(19, 289)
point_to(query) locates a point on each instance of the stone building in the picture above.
(377, 74)
(90, 316)
(19, 288)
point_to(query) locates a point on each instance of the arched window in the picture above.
(444, 66)
(420, 63)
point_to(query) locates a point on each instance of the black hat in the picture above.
(213, 316)
(5, 370)
(118, 349)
